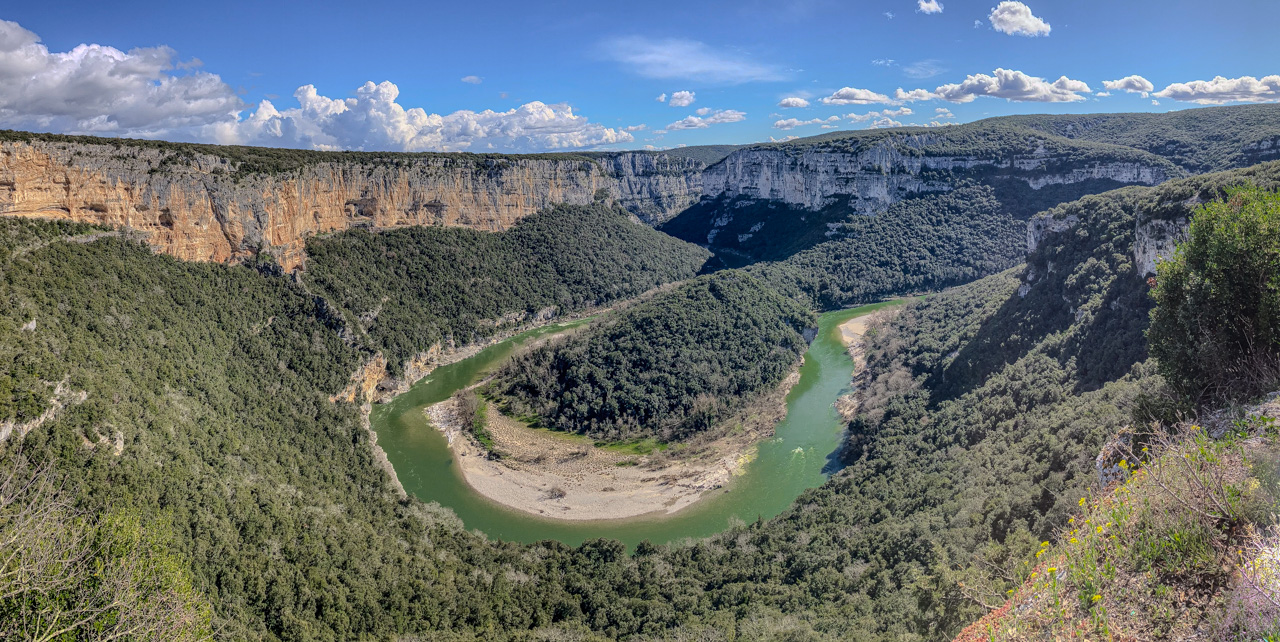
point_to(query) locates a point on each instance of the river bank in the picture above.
(802, 453)
(563, 476)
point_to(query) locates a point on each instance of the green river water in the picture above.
(798, 457)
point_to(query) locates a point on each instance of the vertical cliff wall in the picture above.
(205, 207)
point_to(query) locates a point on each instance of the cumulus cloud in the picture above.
(1133, 84)
(792, 123)
(793, 102)
(714, 118)
(884, 123)
(1245, 89)
(943, 112)
(912, 96)
(681, 99)
(1015, 86)
(636, 128)
(472, 80)
(1016, 19)
(702, 111)
(852, 96)
(98, 89)
(662, 98)
(373, 120)
(687, 59)
(879, 115)
(929, 6)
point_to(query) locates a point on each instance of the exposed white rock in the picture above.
(1155, 241)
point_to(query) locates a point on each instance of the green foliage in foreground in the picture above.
(411, 288)
(1216, 331)
(68, 576)
(670, 367)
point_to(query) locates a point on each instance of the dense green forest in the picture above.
(1198, 140)
(838, 258)
(670, 367)
(407, 289)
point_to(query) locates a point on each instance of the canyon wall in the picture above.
(201, 207)
(896, 167)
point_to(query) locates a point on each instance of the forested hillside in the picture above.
(670, 367)
(964, 222)
(405, 290)
(1199, 140)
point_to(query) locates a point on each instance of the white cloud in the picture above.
(793, 102)
(792, 123)
(636, 128)
(913, 95)
(783, 139)
(1015, 86)
(880, 115)
(715, 118)
(687, 59)
(473, 80)
(929, 6)
(883, 62)
(1245, 89)
(1133, 84)
(889, 15)
(1102, 94)
(883, 123)
(98, 89)
(702, 111)
(852, 96)
(1155, 102)
(662, 98)
(681, 99)
(943, 112)
(977, 24)
(373, 120)
(923, 69)
(1016, 19)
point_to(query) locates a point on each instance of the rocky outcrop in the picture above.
(1156, 240)
(199, 206)
(897, 167)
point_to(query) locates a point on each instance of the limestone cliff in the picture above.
(886, 171)
(201, 206)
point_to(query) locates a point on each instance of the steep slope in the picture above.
(211, 203)
(411, 293)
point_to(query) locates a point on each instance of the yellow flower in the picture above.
(1082, 501)
(1099, 529)
(1097, 597)
(1051, 569)
(1039, 553)
(1071, 521)
(1124, 463)
(1044, 544)
(1073, 540)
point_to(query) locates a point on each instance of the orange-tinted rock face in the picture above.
(200, 208)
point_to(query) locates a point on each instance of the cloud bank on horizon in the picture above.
(151, 92)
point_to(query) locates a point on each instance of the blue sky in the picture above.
(566, 75)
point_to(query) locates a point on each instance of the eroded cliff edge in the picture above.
(207, 207)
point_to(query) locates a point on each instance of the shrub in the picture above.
(1216, 327)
